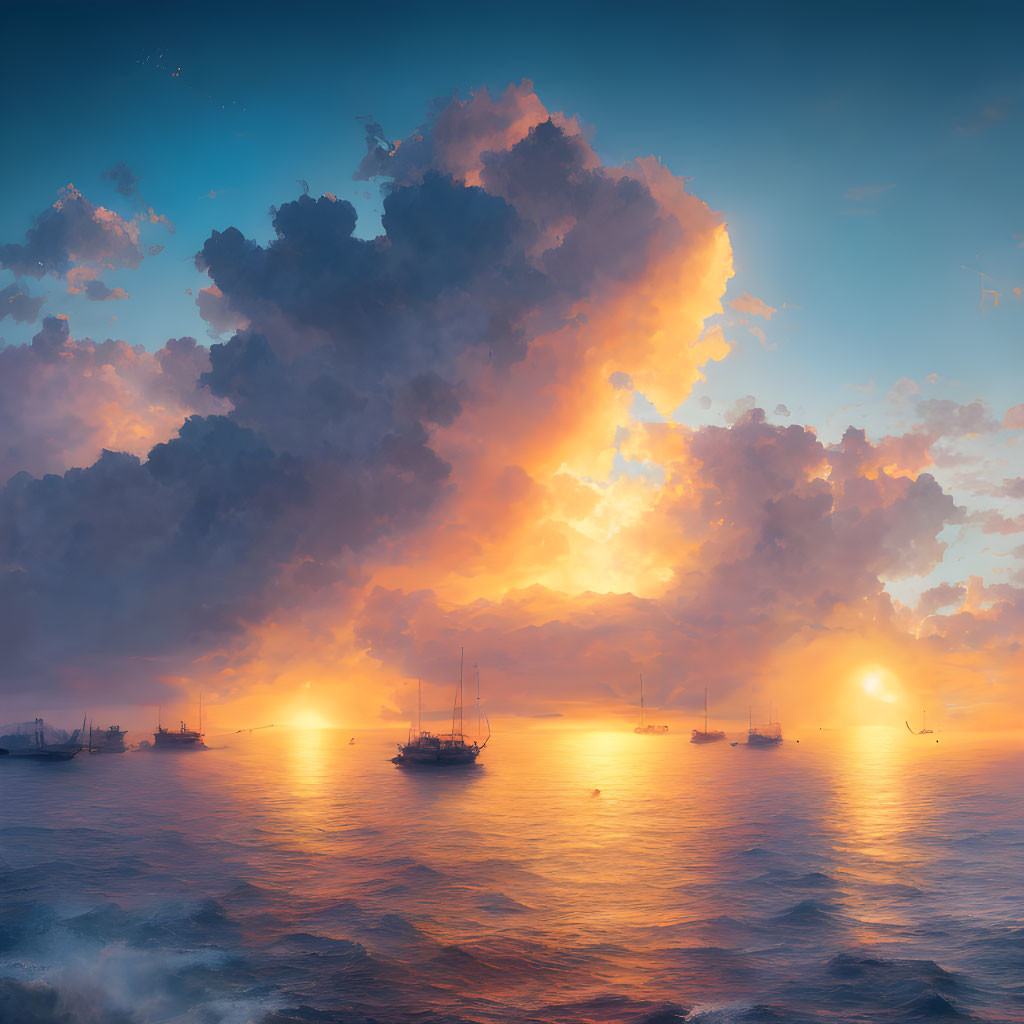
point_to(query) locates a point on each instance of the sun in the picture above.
(875, 683)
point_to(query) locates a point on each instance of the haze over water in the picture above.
(858, 875)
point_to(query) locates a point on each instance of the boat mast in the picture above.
(457, 706)
(705, 709)
(477, 667)
(200, 710)
(641, 700)
(419, 705)
(924, 720)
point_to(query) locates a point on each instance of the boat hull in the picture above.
(763, 741)
(706, 737)
(38, 755)
(418, 759)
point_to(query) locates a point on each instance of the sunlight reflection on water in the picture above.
(881, 870)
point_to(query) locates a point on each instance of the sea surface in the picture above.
(574, 876)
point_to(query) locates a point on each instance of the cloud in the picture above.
(515, 277)
(780, 410)
(62, 400)
(901, 391)
(19, 305)
(945, 418)
(419, 443)
(124, 179)
(776, 540)
(85, 281)
(1014, 418)
(217, 312)
(746, 303)
(73, 232)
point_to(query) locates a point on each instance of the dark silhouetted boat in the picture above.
(107, 741)
(37, 741)
(924, 730)
(446, 750)
(645, 728)
(698, 736)
(767, 735)
(181, 738)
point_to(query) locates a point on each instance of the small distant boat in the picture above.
(447, 750)
(647, 729)
(697, 736)
(108, 741)
(36, 741)
(182, 738)
(767, 735)
(924, 730)
(352, 742)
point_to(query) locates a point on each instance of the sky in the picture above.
(595, 341)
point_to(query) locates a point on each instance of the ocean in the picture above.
(574, 876)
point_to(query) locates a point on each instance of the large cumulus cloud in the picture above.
(416, 444)
(772, 537)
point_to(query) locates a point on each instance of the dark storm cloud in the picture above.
(350, 357)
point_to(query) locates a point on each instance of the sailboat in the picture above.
(644, 728)
(924, 731)
(182, 738)
(428, 750)
(767, 735)
(697, 736)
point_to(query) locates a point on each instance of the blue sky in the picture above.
(863, 157)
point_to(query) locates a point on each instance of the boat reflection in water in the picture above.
(37, 741)
(446, 750)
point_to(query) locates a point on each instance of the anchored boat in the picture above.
(706, 736)
(924, 730)
(37, 741)
(453, 749)
(181, 738)
(645, 728)
(107, 741)
(767, 735)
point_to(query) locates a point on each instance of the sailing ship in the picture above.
(453, 749)
(182, 738)
(767, 735)
(37, 741)
(699, 736)
(924, 730)
(108, 741)
(645, 728)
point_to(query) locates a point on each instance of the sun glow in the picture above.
(309, 719)
(875, 683)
